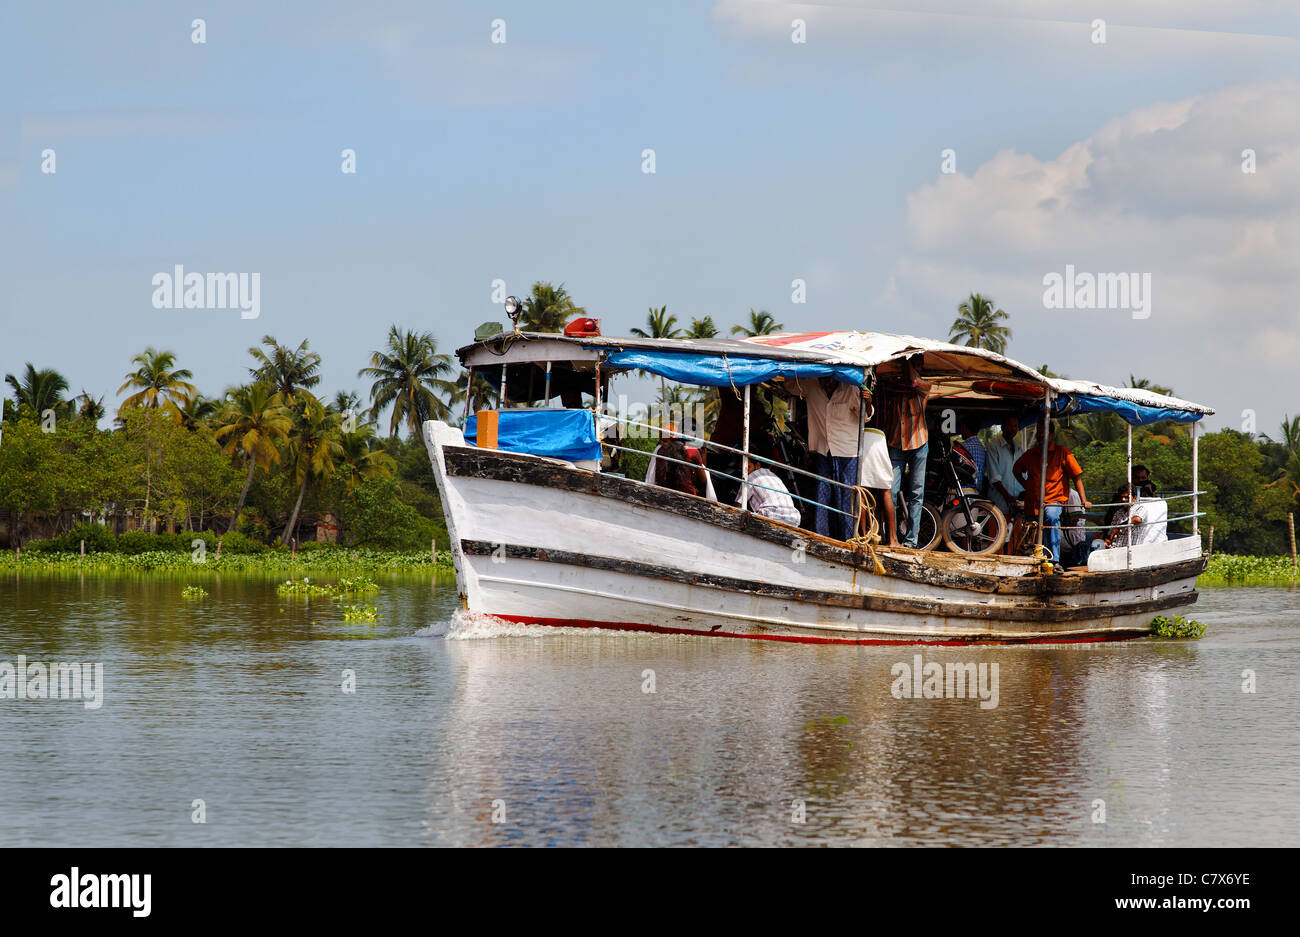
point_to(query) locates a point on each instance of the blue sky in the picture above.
(775, 160)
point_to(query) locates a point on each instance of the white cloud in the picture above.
(1159, 190)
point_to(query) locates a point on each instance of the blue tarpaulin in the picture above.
(560, 434)
(726, 370)
(1135, 414)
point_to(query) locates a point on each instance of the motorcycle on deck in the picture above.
(953, 509)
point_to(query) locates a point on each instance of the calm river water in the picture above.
(490, 736)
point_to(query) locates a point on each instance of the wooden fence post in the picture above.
(1290, 520)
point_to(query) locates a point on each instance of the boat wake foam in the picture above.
(472, 626)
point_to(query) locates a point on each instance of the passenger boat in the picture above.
(541, 535)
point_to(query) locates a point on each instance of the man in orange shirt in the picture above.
(1062, 471)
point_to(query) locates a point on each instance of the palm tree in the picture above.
(253, 422)
(1288, 475)
(286, 369)
(313, 449)
(196, 411)
(977, 323)
(481, 396)
(40, 390)
(344, 401)
(660, 325)
(548, 308)
(760, 323)
(88, 407)
(408, 374)
(159, 383)
(358, 459)
(702, 328)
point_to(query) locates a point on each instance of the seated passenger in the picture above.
(1074, 538)
(1150, 516)
(1118, 521)
(676, 469)
(703, 488)
(768, 496)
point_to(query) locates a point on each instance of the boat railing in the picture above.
(716, 446)
(1164, 496)
(721, 474)
(708, 444)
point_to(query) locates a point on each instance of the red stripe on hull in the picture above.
(802, 639)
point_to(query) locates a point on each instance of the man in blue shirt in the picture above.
(970, 441)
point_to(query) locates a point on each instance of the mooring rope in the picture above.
(864, 500)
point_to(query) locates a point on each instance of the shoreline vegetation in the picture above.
(278, 563)
(1224, 569)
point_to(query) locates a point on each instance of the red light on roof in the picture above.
(583, 327)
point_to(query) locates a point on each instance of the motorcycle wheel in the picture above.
(986, 534)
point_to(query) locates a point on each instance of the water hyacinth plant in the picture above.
(305, 589)
(1228, 570)
(194, 592)
(1176, 627)
(365, 613)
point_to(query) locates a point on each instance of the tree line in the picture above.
(254, 460)
(271, 450)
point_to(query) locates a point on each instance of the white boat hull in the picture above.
(539, 541)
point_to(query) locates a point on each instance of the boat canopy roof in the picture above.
(960, 371)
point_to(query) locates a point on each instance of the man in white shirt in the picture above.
(834, 415)
(1004, 488)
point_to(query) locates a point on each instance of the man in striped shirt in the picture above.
(768, 496)
(908, 439)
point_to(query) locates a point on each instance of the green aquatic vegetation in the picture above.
(367, 613)
(194, 592)
(353, 563)
(357, 586)
(305, 589)
(1163, 626)
(1228, 570)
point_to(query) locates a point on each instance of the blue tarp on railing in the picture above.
(1135, 414)
(726, 370)
(560, 434)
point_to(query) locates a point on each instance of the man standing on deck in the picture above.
(834, 414)
(908, 439)
(1000, 459)
(1062, 469)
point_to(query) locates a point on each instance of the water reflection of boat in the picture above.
(540, 535)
